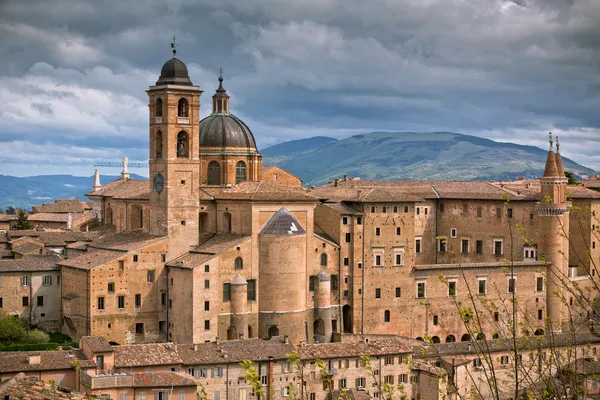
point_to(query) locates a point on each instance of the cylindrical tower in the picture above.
(282, 277)
(239, 305)
(322, 329)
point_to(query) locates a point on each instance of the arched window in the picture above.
(158, 145)
(226, 222)
(273, 331)
(182, 144)
(158, 108)
(240, 172)
(239, 263)
(214, 173)
(496, 336)
(450, 339)
(481, 336)
(465, 338)
(324, 260)
(539, 332)
(182, 108)
(319, 327)
(231, 333)
(387, 316)
(435, 339)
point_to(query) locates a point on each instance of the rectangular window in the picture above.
(398, 231)
(451, 288)
(509, 212)
(335, 283)
(436, 320)
(373, 209)
(345, 220)
(504, 360)
(511, 285)
(426, 209)
(226, 291)
(539, 284)
(389, 379)
(121, 301)
(25, 301)
(251, 289)
(395, 209)
(100, 303)
(346, 261)
(442, 243)
(398, 259)
(384, 209)
(1, 302)
(453, 232)
(139, 328)
(479, 212)
(360, 383)
(348, 238)
(24, 281)
(163, 258)
(121, 264)
(482, 286)
(398, 292)
(135, 258)
(181, 396)
(111, 287)
(377, 231)
(418, 210)
(498, 212)
(138, 300)
(377, 260)
(498, 247)
(342, 383)
(206, 284)
(312, 283)
(207, 325)
(479, 247)
(464, 246)
(421, 290)
(163, 299)
(540, 314)
(207, 268)
(403, 378)
(377, 293)
(358, 220)
(40, 301)
(418, 246)
(405, 209)
(529, 252)
(123, 396)
(441, 207)
(465, 208)
(47, 280)
(151, 276)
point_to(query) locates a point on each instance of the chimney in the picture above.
(336, 181)
(35, 359)
(345, 177)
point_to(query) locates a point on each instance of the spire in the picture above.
(559, 163)
(221, 98)
(96, 186)
(550, 169)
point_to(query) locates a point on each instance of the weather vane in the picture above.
(550, 138)
(557, 144)
(174, 46)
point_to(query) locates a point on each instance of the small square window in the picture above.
(183, 223)
(345, 220)
(405, 209)
(377, 231)
(183, 181)
(377, 293)
(111, 287)
(139, 328)
(453, 232)
(358, 220)
(135, 258)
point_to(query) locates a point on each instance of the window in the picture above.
(139, 328)
(418, 246)
(346, 261)
(206, 284)
(384, 209)
(121, 265)
(100, 303)
(214, 173)
(377, 293)
(312, 283)
(163, 299)
(358, 220)
(158, 145)
(138, 300)
(335, 282)
(373, 209)
(540, 314)
(181, 396)
(342, 383)
(405, 209)
(398, 259)
(40, 301)
(465, 208)
(324, 260)
(25, 301)
(421, 290)
(251, 289)
(504, 360)
(453, 232)
(360, 383)
(1, 302)
(479, 212)
(529, 252)
(47, 280)
(451, 288)
(151, 276)
(348, 238)
(482, 286)
(207, 325)
(442, 243)
(238, 263)
(377, 231)
(498, 212)
(511, 285)
(403, 378)
(389, 379)
(479, 247)
(496, 316)
(121, 302)
(378, 260)
(123, 396)
(240, 172)
(464, 246)
(539, 284)
(498, 247)
(395, 209)
(207, 305)
(398, 292)
(441, 207)
(398, 231)
(24, 281)
(158, 109)
(436, 320)
(509, 212)
(387, 316)
(418, 210)
(477, 362)
(217, 372)
(226, 291)
(182, 108)
(135, 258)
(345, 220)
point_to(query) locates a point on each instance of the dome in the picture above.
(174, 72)
(225, 130)
(282, 223)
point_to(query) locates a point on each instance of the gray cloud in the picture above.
(74, 72)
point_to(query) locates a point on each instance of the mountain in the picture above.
(408, 155)
(34, 190)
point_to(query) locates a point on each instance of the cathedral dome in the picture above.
(223, 129)
(174, 72)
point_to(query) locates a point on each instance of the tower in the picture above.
(174, 104)
(554, 222)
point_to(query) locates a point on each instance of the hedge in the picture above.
(29, 347)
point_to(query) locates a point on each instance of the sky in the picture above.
(73, 73)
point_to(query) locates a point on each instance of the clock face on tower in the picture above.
(159, 182)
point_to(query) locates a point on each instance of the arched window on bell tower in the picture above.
(240, 172)
(183, 145)
(214, 173)
(158, 146)
(182, 108)
(158, 108)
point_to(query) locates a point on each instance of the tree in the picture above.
(22, 223)
(294, 359)
(252, 376)
(11, 329)
(10, 210)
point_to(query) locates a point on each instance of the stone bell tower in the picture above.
(553, 212)
(174, 104)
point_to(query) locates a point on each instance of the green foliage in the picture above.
(10, 210)
(571, 177)
(35, 336)
(30, 347)
(201, 391)
(57, 337)
(251, 375)
(22, 223)
(11, 329)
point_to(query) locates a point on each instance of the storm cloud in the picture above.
(74, 72)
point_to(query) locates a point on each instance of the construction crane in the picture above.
(120, 164)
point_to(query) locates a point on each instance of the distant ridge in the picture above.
(410, 155)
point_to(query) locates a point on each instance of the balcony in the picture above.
(113, 380)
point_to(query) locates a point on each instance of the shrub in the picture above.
(35, 336)
(57, 337)
(31, 347)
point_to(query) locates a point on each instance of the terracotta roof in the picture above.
(8, 217)
(31, 263)
(266, 168)
(259, 191)
(352, 349)
(125, 241)
(60, 206)
(162, 379)
(580, 192)
(498, 264)
(326, 237)
(28, 248)
(124, 189)
(343, 209)
(50, 217)
(97, 344)
(146, 354)
(80, 245)
(211, 245)
(92, 259)
(351, 394)
(57, 238)
(22, 387)
(18, 361)
(592, 183)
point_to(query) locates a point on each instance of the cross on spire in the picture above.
(221, 74)
(557, 144)
(550, 139)
(174, 46)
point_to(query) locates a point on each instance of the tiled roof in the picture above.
(97, 344)
(498, 264)
(259, 191)
(8, 217)
(352, 349)
(343, 209)
(92, 259)
(350, 394)
(60, 206)
(55, 238)
(580, 192)
(325, 236)
(28, 248)
(80, 245)
(125, 241)
(18, 361)
(124, 189)
(31, 263)
(22, 387)
(584, 366)
(162, 379)
(283, 223)
(146, 354)
(211, 245)
(50, 217)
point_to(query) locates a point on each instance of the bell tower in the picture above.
(174, 104)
